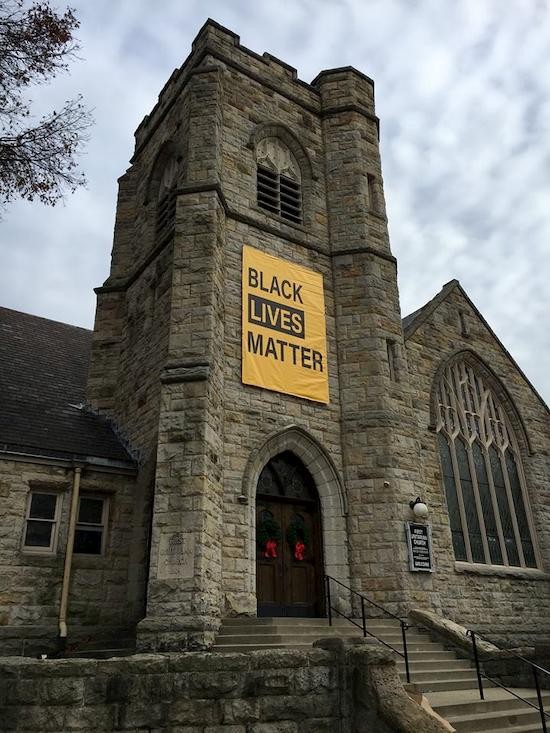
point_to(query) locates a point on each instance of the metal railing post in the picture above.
(405, 650)
(363, 616)
(329, 606)
(539, 697)
(478, 671)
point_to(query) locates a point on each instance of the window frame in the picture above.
(92, 526)
(470, 412)
(55, 522)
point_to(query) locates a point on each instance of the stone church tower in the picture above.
(239, 153)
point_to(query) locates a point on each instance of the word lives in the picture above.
(284, 318)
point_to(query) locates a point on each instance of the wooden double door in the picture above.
(289, 562)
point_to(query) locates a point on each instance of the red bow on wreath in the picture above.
(299, 550)
(270, 549)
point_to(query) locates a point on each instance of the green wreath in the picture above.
(297, 531)
(267, 529)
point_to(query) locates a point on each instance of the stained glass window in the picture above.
(482, 476)
(286, 476)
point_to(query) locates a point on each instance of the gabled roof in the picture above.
(43, 372)
(415, 319)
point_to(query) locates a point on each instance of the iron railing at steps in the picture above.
(536, 671)
(363, 625)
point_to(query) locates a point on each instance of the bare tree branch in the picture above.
(37, 160)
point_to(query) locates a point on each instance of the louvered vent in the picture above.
(166, 214)
(279, 194)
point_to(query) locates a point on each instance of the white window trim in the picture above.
(94, 527)
(52, 548)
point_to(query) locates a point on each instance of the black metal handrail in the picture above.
(512, 653)
(474, 635)
(535, 668)
(363, 626)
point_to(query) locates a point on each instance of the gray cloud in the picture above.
(465, 110)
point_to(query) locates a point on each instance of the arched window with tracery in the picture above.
(278, 180)
(482, 473)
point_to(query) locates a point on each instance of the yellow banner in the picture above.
(284, 332)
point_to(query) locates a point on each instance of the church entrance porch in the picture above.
(289, 557)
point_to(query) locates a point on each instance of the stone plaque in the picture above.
(419, 540)
(176, 555)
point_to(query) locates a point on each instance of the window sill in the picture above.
(38, 553)
(501, 571)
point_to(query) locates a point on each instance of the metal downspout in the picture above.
(68, 560)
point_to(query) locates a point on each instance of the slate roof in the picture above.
(43, 372)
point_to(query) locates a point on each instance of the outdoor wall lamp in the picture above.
(419, 508)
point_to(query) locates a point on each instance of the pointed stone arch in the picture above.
(329, 487)
(298, 168)
(285, 135)
(168, 156)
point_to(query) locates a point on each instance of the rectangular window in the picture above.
(42, 521)
(91, 525)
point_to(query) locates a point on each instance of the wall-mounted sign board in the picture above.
(419, 540)
(284, 342)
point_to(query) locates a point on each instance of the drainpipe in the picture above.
(68, 561)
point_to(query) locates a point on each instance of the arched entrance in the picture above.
(289, 555)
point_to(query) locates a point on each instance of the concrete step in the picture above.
(493, 722)
(266, 620)
(451, 673)
(500, 711)
(447, 685)
(313, 624)
(311, 636)
(435, 666)
(245, 648)
(495, 699)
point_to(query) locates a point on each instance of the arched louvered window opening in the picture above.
(278, 180)
(166, 202)
(482, 474)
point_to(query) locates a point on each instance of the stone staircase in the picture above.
(449, 683)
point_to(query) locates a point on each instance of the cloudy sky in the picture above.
(462, 90)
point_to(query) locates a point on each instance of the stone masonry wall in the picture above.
(378, 426)
(192, 693)
(30, 584)
(510, 602)
(349, 690)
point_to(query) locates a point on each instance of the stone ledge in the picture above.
(457, 635)
(501, 571)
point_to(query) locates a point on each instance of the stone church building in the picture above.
(252, 413)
